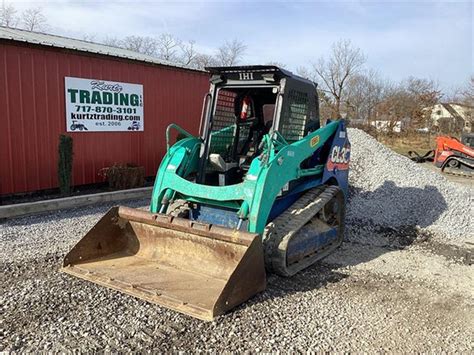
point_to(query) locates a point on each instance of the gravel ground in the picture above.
(403, 281)
(460, 180)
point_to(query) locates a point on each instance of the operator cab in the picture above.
(242, 116)
(244, 104)
(468, 139)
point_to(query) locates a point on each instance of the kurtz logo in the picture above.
(100, 85)
(246, 76)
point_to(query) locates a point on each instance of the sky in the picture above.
(428, 39)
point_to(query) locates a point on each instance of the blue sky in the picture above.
(431, 39)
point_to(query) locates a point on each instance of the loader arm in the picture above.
(254, 197)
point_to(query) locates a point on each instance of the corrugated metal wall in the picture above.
(32, 114)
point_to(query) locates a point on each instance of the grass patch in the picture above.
(402, 145)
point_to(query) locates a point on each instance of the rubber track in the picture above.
(278, 232)
(459, 171)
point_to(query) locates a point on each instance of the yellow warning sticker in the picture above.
(314, 141)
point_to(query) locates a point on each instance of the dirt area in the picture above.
(403, 144)
(51, 194)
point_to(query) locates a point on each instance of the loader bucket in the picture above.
(197, 269)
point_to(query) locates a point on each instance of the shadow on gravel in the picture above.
(377, 222)
(387, 219)
(392, 205)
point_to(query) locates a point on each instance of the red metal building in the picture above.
(33, 68)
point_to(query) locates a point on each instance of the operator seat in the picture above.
(268, 112)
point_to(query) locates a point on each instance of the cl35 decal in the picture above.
(339, 158)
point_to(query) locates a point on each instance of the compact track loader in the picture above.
(262, 189)
(452, 156)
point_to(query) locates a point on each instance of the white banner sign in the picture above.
(97, 106)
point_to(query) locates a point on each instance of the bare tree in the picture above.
(423, 93)
(408, 101)
(364, 92)
(173, 49)
(467, 95)
(326, 107)
(34, 20)
(140, 44)
(89, 37)
(204, 60)
(230, 53)
(276, 64)
(335, 72)
(168, 46)
(468, 92)
(463, 94)
(305, 72)
(112, 41)
(325, 102)
(394, 108)
(188, 53)
(8, 17)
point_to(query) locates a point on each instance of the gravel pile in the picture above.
(390, 191)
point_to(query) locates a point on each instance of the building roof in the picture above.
(460, 104)
(230, 71)
(452, 111)
(44, 39)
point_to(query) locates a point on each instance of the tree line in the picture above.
(347, 87)
(165, 46)
(170, 48)
(31, 19)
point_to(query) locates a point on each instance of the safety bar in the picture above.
(179, 129)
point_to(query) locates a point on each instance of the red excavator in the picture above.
(453, 156)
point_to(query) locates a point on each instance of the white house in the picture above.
(384, 126)
(452, 117)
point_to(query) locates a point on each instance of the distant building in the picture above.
(388, 119)
(386, 125)
(452, 117)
